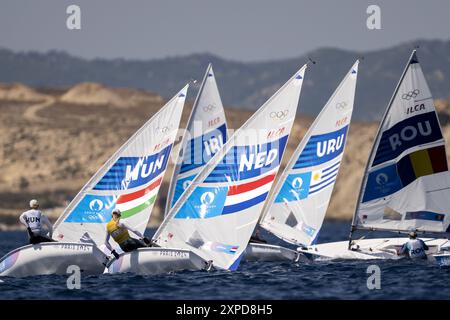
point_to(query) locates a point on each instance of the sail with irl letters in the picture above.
(129, 180)
(218, 212)
(206, 133)
(296, 209)
(408, 159)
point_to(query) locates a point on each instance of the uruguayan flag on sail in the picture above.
(324, 178)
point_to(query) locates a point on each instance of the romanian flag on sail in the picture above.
(421, 163)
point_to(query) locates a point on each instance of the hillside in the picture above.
(244, 85)
(51, 147)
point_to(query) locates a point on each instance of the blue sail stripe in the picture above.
(323, 187)
(406, 134)
(115, 178)
(309, 152)
(330, 173)
(331, 167)
(233, 161)
(194, 152)
(186, 168)
(324, 146)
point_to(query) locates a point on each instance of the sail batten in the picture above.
(217, 213)
(129, 180)
(297, 206)
(407, 155)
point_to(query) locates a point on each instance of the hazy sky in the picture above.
(244, 30)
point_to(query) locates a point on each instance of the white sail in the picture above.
(409, 145)
(129, 180)
(296, 208)
(206, 133)
(218, 212)
(427, 200)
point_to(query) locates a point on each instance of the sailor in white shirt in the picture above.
(34, 220)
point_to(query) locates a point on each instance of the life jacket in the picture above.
(119, 234)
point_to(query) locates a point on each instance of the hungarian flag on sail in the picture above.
(134, 202)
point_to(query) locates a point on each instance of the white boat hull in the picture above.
(269, 252)
(369, 249)
(147, 261)
(52, 258)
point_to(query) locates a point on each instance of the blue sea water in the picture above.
(402, 279)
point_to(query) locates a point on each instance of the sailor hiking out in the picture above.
(33, 220)
(119, 232)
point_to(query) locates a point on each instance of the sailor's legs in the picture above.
(36, 238)
(131, 244)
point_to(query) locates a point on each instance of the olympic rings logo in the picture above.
(410, 95)
(341, 105)
(163, 129)
(209, 108)
(279, 115)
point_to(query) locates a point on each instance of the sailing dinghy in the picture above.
(406, 185)
(206, 133)
(129, 181)
(296, 208)
(215, 216)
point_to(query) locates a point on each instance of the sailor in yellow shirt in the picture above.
(119, 232)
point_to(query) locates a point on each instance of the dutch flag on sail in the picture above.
(233, 249)
(220, 247)
(246, 195)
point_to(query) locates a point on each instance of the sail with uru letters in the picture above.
(297, 207)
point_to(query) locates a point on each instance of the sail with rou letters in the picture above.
(297, 207)
(216, 215)
(129, 180)
(409, 146)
